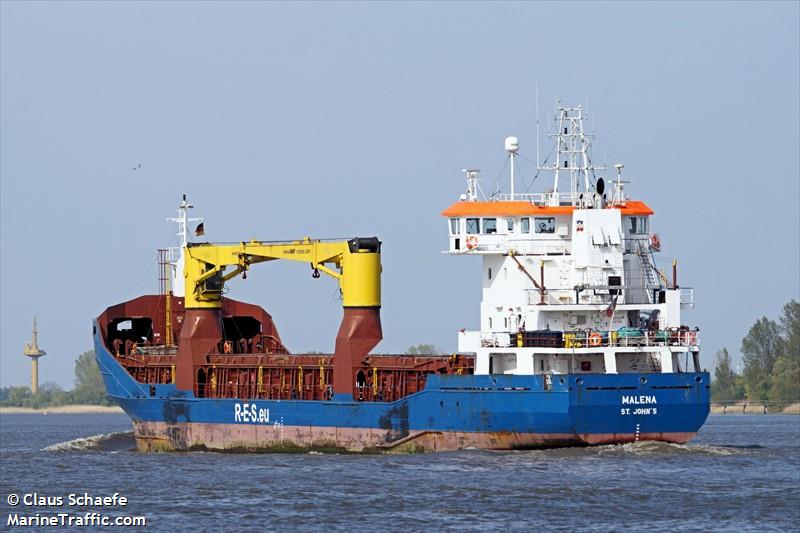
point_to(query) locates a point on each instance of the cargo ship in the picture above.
(580, 342)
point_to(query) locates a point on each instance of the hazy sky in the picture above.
(333, 120)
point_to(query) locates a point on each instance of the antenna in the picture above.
(472, 184)
(619, 197)
(512, 147)
(538, 159)
(572, 154)
(183, 239)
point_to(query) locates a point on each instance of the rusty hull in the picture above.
(164, 437)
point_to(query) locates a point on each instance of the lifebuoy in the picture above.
(595, 339)
(655, 242)
(691, 338)
(472, 242)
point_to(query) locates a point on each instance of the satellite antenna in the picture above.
(512, 147)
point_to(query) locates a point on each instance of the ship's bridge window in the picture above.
(510, 224)
(489, 225)
(638, 225)
(454, 226)
(525, 225)
(473, 226)
(545, 224)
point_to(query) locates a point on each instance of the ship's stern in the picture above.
(619, 408)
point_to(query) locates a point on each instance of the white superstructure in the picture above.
(569, 278)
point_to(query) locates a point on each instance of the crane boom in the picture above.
(355, 263)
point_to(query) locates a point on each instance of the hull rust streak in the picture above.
(159, 436)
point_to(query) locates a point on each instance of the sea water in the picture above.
(741, 473)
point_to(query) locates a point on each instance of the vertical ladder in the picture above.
(648, 272)
(164, 281)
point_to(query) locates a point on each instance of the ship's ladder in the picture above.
(649, 280)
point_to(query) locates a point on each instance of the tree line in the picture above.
(89, 389)
(771, 358)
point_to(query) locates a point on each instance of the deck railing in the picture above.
(625, 337)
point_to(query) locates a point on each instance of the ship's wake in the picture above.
(638, 449)
(121, 441)
(667, 448)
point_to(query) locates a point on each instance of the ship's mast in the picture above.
(619, 187)
(472, 185)
(572, 155)
(176, 253)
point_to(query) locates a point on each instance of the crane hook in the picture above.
(315, 274)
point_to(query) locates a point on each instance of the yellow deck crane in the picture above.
(355, 263)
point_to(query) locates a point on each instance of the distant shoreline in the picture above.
(62, 410)
(753, 408)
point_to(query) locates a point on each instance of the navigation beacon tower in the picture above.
(32, 350)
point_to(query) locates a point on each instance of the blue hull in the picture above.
(453, 411)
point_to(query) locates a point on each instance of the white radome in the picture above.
(512, 144)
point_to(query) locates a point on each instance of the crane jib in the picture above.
(355, 263)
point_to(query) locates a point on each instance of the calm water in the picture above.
(742, 473)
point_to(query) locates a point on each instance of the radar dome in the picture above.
(512, 144)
